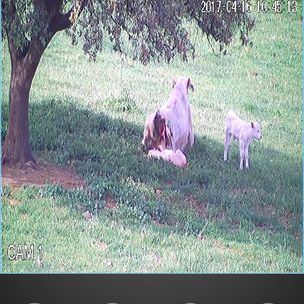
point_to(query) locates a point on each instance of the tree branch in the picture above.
(63, 21)
(58, 21)
(14, 51)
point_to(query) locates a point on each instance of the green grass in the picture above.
(90, 116)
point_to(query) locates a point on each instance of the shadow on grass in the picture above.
(107, 152)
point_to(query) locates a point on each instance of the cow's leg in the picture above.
(242, 154)
(228, 138)
(191, 134)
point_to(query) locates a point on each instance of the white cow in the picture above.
(244, 131)
(170, 126)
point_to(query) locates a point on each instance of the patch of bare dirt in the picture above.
(156, 221)
(169, 182)
(110, 202)
(266, 210)
(198, 206)
(45, 173)
(220, 216)
(286, 218)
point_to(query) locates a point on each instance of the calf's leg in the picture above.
(242, 154)
(228, 137)
(246, 155)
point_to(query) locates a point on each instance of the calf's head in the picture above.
(154, 132)
(257, 131)
(186, 82)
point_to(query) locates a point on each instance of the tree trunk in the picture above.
(16, 148)
(24, 63)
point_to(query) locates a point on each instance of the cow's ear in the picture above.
(252, 125)
(173, 83)
(189, 84)
(159, 124)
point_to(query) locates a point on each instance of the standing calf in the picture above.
(244, 131)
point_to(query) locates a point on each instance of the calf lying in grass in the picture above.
(244, 131)
(177, 158)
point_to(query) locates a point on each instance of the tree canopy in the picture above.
(154, 28)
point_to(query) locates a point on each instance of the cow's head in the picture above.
(154, 132)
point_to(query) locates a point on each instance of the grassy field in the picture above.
(210, 217)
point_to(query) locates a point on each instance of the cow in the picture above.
(170, 126)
